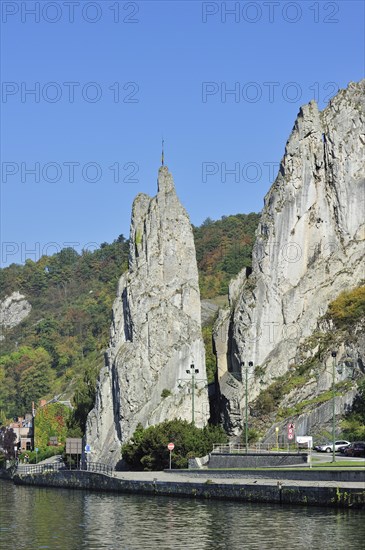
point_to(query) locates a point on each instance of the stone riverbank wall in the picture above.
(6, 473)
(287, 493)
(353, 476)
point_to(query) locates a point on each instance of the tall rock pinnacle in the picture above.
(156, 329)
(310, 246)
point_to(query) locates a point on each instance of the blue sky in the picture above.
(140, 70)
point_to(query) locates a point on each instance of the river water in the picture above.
(42, 518)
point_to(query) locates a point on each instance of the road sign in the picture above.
(73, 445)
(171, 446)
(87, 449)
(290, 436)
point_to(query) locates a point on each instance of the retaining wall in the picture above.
(302, 475)
(281, 494)
(254, 460)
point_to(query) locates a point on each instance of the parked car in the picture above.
(357, 448)
(342, 449)
(328, 447)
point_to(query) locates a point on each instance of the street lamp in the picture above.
(250, 364)
(339, 369)
(277, 437)
(193, 371)
(334, 355)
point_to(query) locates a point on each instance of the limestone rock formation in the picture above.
(156, 330)
(309, 247)
(13, 310)
(317, 418)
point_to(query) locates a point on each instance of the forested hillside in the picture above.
(58, 348)
(61, 341)
(223, 248)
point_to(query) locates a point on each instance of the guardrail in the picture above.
(96, 467)
(236, 448)
(40, 468)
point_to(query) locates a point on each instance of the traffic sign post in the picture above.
(291, 428)
(170, 447)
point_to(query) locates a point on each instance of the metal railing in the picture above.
(96, 467)
(237, 448)
(40, 468)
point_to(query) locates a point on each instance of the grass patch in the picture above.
(319, 399)
(341, 464)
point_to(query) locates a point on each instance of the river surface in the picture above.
(41, 518)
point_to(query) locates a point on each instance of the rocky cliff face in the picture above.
(156, 330)
(309, 247)
(13, 310)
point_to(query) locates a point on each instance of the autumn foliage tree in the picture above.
(50, 421)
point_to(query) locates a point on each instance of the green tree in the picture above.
(210, 359)
(147, 450)
(83, 399)
(50, 421)
(353, 424)
(35, 382)
(7, 441)
(27, 376)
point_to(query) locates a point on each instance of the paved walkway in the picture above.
(175, 477)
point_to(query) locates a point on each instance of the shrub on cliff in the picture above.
(147, 450)
(348, 308)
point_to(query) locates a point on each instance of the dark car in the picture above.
(342, 449)
(355, 449)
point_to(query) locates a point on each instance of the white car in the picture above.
(328, 447)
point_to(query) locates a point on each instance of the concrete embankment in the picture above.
(354, 475)
(307, 492)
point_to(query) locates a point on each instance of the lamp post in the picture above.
(193, 371)
(250, 364)
(277, 437)
(32, 443)
(334, 355)
(339, 369)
